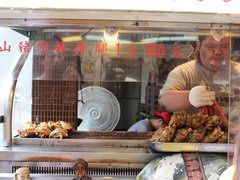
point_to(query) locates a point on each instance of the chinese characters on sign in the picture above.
(5, 48)
(150, 50)
(24, 46)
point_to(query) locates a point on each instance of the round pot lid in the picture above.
(98, 108)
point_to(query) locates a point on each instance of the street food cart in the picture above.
(98, 70)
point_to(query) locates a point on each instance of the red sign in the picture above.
(42, 46)
(5, 48)
(80, 48)
(60, 47)
(153, 50)
(101, 48)
(150, 50)
(24, 46)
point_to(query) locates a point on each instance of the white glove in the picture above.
(200, 96)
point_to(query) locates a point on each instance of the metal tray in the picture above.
(191, 147)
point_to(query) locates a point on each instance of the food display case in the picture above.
(99, 71)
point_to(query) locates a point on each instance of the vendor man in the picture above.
(185, 87)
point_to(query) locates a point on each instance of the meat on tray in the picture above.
(49, 129)
(195, 128)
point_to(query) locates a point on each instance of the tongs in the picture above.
(215, 109)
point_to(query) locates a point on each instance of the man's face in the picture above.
(214, 54)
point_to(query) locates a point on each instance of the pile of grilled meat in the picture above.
(49, 129)
(196, 128)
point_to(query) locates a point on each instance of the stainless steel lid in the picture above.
(100, 109)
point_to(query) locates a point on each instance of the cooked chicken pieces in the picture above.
(53, 125)
(157, 134)
(213, 136)
(196, 120)
(50, 129)
(181, 134)
(179, 119)
(65, 125)
(196, 135)
(223, 124)
(58, 133)
(27, 130)
(211, 122)
(167, 134)
(43, 130)
(223, 138)
(194, 128)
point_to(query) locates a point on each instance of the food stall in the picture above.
(75, 79)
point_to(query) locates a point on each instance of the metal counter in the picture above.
(106, 157)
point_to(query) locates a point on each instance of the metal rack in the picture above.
(131, 155)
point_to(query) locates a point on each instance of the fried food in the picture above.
(223, 138)
(28, 130)
(167, 134)
(157, 134)
(181, 134)
(196, 135)
(58, 133)
(53, 125)
(58, 129)
(194, 128)
(179, 119)
(213, 136)
(223, 124)
(43, 130)
(65, 125)
(211, 122)
(196, 120)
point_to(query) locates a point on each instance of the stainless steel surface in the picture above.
(105, 157)
(192, 147)
(115, 18)
(94, 169)
(100, 109)
(114, 159)
(67, 168)
(107, 143)
(9, 86)
(9, 176)
(20, 153)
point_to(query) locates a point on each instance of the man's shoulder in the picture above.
(190, 63)
(235, 64)
(185, 67)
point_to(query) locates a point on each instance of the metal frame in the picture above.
(10, 86)
(45, 18)
(57, 18)
(69, 18)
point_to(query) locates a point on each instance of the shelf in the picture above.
(191, 147)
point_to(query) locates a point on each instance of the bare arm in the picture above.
(175, 100)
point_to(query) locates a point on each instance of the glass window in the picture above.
(132, 67)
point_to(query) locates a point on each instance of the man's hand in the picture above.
(200, 96)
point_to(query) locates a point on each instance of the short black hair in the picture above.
(201, 38)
